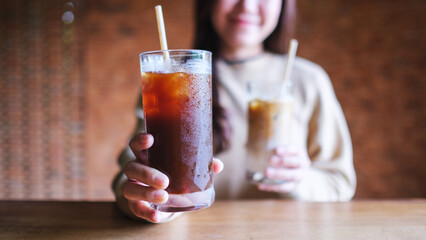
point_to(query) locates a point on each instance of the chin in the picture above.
(244, 42)
(243, 39)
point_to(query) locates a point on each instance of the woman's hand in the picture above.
(146, 185)
(289, 164)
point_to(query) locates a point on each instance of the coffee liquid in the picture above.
(178, 113)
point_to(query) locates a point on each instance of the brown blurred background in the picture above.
(69, 81)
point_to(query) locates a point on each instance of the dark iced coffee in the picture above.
(177, 104)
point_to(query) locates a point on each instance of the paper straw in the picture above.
(291, 55)
(161, 30)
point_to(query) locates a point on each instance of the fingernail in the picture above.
(160, 196)
(161, 181)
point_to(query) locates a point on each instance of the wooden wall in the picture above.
(374, 52)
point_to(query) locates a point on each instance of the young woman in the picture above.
(248, 39)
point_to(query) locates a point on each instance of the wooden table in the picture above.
(262, 219)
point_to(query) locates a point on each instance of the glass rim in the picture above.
(174, 51)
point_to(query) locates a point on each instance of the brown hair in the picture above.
(206, 38)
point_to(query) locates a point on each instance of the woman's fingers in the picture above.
(289, 165)
(147, 175)
(143, 210)
(286, 162)
(284, 151)
(135, 191)
(139, 143)
(282, 188)
(289, 157)
(291, 175)
(217, 165)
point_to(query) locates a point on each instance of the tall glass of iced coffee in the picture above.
(177, 106)
(269, 121)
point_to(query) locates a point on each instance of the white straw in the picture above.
(290, 59)
(161, 30)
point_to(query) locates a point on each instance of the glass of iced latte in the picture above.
(270, 110)
(177, 106)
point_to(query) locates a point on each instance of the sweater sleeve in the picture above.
(125, 157)
(332, 175)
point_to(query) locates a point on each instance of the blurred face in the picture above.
(245, 23)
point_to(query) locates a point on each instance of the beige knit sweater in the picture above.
(318, 124)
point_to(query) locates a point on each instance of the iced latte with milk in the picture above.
(269, 122)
